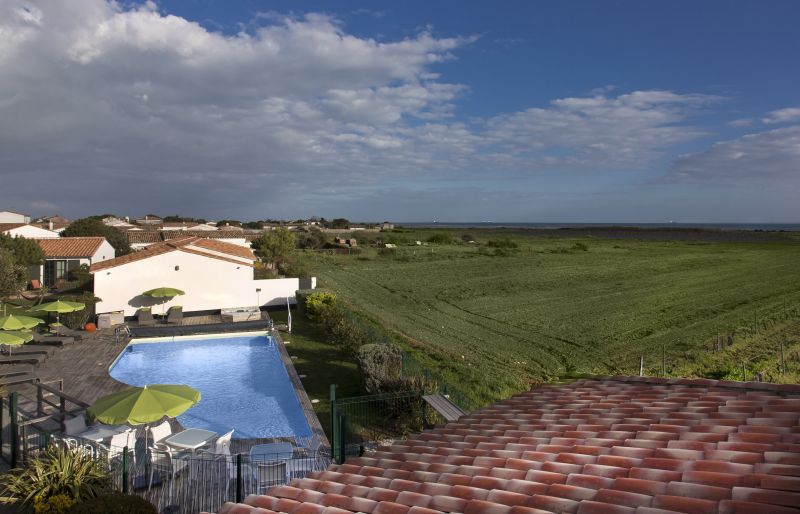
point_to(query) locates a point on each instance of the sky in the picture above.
(516, 111)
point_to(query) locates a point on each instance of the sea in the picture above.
(773, 227)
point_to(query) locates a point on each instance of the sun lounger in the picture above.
(52, 340)
(68, 332)
(144, 317)
(12, 371)
(18, 379)
(175, 315)
(31, 349)
(22, 359)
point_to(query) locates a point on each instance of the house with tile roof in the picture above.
(615, 445)
(139, 239)
(26, 230)
(65, 254)
(214, 274)
(14, 217)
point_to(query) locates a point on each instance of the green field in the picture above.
(491, 325)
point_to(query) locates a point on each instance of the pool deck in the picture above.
(83, 366)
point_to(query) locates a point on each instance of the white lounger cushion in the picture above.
(74, 425)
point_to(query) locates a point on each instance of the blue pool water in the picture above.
(242, 381)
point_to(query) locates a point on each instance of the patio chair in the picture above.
(308, 457)
(144, 317)
(270, 474)
(74, 334)
(221, 455)
(175, 315)
(10, 380)
(31, 349)
(22, 359)
(166, 465)
(118, 443)
(157, 434)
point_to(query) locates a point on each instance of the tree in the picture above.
(340, 223)
(13, 276)
(25, 252)
(89, 227)
(275, 246)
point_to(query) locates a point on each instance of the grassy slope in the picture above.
(494, 323)
(322, 364)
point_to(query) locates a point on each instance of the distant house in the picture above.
(214, 275)
(387, 226)
(141, 239)
(351, 242)
(14, 217)
(55, 223)
(119, 223)
(25, 230)
(150, 219)
(65, 254)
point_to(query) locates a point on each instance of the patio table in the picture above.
(101, 432)
(190, 439)
(271, 451)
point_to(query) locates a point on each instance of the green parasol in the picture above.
(142, 405)
(59, 307)
(14, 322)
(14, 338)
(164, 292)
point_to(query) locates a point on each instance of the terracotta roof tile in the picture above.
(188, 244)
(70, 246)
(616, 445)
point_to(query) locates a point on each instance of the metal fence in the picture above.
(434, 382)
(177, 482)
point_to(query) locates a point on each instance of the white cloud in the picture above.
(787, 115)
(112, 106)
(764, 157)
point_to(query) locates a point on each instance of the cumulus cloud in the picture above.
(787, 115)
(120, 108)
(764, 158)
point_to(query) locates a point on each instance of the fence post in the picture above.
(342, 440)
(663, 360)
(641, 366)
(2, 412)
(12, 411)
(333, 420)
(125, 470)
(239, 485)
(744, 372)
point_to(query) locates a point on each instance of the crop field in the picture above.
(493, 320)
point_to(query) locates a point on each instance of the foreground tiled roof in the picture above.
(612, 446)
(195, 245)
(70, 246)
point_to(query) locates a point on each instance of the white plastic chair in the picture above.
(220, 454)
(166, 464)
(158, 433)
(271, 473)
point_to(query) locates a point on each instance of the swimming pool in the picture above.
(242, 380)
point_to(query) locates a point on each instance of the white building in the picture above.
(26, 231)
(14, 217)
(214, 275)
(64, 254)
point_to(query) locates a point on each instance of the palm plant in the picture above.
(57, 471)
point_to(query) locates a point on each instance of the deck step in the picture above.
(449, 410)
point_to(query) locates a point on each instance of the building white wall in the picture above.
(104, 252)
(31, 232)
(13, 217)
(210, 284)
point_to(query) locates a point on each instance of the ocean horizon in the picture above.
(777, 227)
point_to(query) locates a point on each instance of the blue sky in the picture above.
(593, 111)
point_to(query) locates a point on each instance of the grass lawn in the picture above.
(321, 363)
(558, 306)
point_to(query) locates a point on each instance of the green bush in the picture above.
(502, 243)
(57, 471)
(76, 320)
(58, 504)
(115, 503)
(583, 247)
(317, 303)
(441, 239)
(381, 366)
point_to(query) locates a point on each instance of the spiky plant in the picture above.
(57, 471)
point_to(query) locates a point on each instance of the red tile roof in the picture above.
(616, 445)
(70, 246)
(10, 226)
(186, 244)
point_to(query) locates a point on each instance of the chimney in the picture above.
(50, 224)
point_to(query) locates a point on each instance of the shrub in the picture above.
(580, 246)
(380, 366)
(441, 239)
(58, 504)
(76, 320)
(115, 503)
(317, 303)
(57, 471)
(502, 243)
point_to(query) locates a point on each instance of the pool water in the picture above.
(242, 381)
